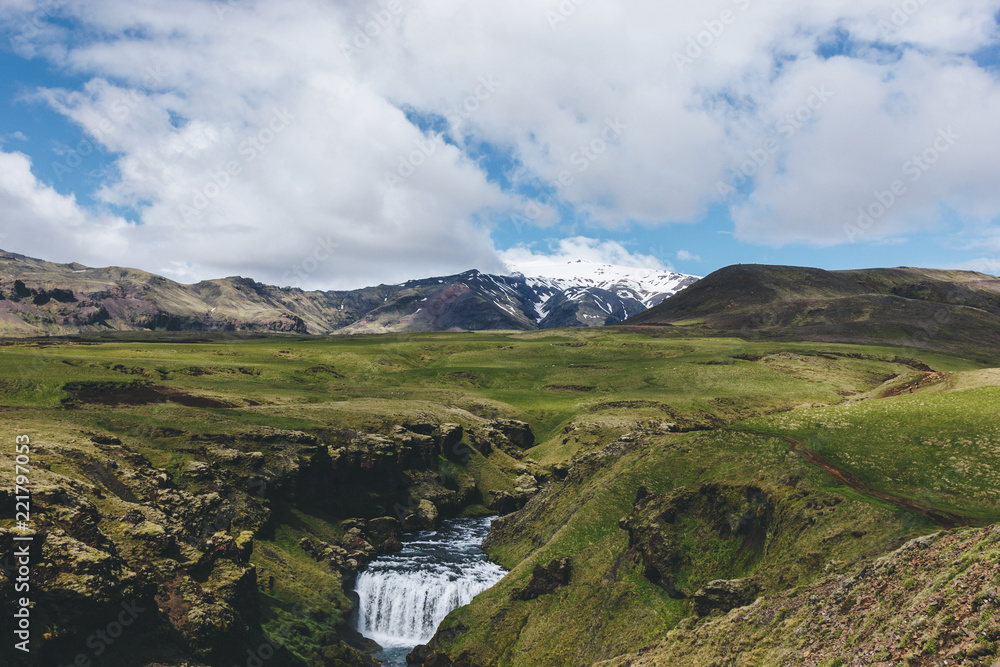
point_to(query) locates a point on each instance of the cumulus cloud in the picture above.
(36, 216)
(559, 252)
(272, 137)
(686, 256)
(265, 157)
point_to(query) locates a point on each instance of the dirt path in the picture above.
(946, 520)
(926, 379)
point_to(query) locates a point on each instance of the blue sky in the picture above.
(32, 127)
(333, 147)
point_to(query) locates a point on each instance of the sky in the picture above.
(337, 144)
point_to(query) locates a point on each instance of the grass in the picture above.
(683, 406)
(940, 448)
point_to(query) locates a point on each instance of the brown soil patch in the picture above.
(616, 405)
(925, 380)
(139, 394)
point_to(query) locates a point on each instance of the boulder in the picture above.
(518, 433)
(424, 517)
(429, 485)
(545, 580)
(383, 533)
(722, 595)
(505, 503)
(526, 485)
(198, 470)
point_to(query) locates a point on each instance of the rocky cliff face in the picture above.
(114, 533)
(121, 531)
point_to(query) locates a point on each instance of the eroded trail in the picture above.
(946, 520)
(926, 379)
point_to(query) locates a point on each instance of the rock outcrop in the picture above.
(668, 532)
(933, 601)
(722, 595)
(545, 580)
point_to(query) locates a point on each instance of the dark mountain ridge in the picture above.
(39, 298)
(955, 311)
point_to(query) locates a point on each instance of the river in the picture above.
(405, 596)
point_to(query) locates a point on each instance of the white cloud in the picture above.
(248, 147)
(180, 92)
(989, 265)
(560, 252)
(16, 136)
(685, 256)
(39, 219)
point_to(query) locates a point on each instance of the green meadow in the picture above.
(612, 410)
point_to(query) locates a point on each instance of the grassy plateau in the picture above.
(663, 461)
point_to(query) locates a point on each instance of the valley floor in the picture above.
(663, 494)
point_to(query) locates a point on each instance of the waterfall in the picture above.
(405, 596)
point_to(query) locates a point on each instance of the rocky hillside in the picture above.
(957, 311)
(934, 601)
(203, 559)
(756, 540)
(43, 298)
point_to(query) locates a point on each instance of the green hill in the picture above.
(954, 311)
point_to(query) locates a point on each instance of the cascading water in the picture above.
(405, 596)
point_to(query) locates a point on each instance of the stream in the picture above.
(405, 596)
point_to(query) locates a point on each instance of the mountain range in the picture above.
(44, 298)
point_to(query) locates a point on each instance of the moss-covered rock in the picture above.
(692, 535)
(546, 579)
(722, 595)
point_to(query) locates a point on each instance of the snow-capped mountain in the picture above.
(649, 286)
(43, 298)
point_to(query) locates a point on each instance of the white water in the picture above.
(405, 596)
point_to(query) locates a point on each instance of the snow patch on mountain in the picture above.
(649, 286)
